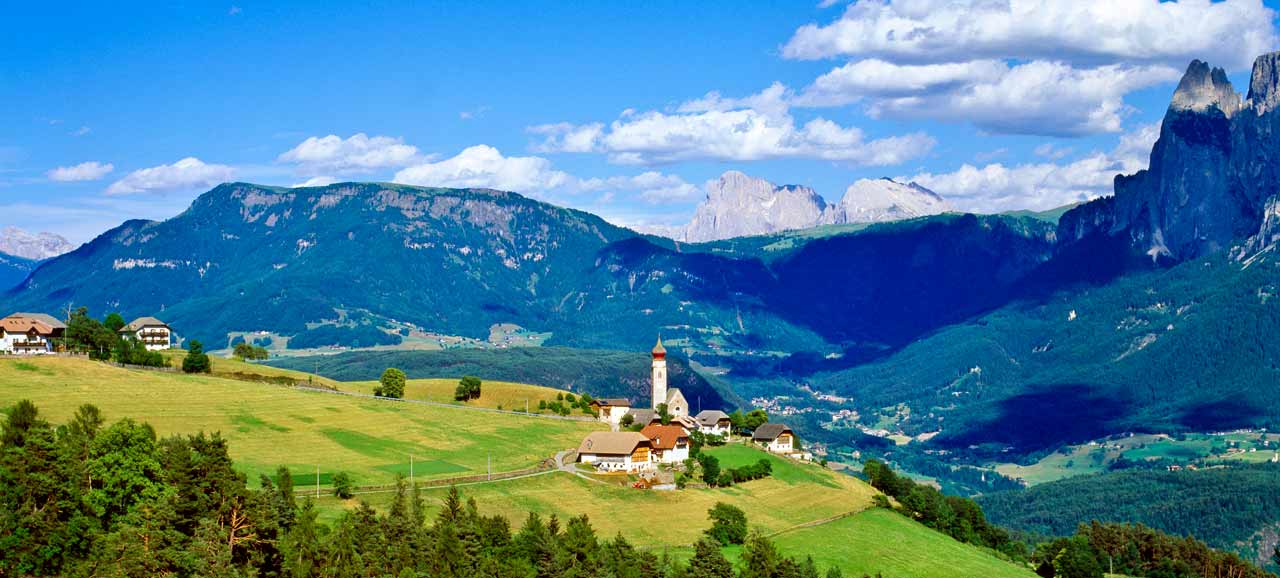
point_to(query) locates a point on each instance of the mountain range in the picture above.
(986, 334)
(738, 205)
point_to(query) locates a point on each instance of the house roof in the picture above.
(643, 416)
(24, 322)
(689, 423)
(612, 401)
(143, 322)
(770, 431)
(663, 437)
(611, 442)
(710, 417)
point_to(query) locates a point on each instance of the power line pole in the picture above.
(411, 471)
(317, 481)
(490, 462)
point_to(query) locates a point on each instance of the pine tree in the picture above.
(708, 562)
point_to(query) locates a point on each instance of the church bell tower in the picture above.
(659, 374)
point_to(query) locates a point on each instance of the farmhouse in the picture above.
(670, 442)
(775, 437)
(617, 451)
(611, 409)
(714, 422)
(152, 333)
(29, 333)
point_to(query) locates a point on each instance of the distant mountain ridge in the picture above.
(32, 246)
(738, 205)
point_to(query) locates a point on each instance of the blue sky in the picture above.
(117, 112)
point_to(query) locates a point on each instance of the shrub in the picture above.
(342, 486)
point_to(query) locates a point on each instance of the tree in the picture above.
(342, 486)
(708, 562)
(627, 419)
(469, 388)
(246, 351)
(664, 414)
(710, 468)
(89, 335)
(196, 361)
(755, 418)
(760, 558)
(728, 524)
(391, 384)
(114, 322)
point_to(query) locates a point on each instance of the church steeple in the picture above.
(659, 373)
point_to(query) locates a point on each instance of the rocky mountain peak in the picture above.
(884, 199)
(738, 205)
(1264, 83)
(35, 246)
(1202, 87)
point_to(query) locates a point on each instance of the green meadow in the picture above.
(268, 425)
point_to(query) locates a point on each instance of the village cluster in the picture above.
(40, 333)
(640, 452)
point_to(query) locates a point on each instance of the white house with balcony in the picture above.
(29, 333)
(152, 333)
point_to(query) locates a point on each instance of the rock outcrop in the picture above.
(1213, 170)
(880, 200)
(739, 205)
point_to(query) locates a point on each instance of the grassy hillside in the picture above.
(233, 368)
(602, 373)
(493, 394)
(879, 540)
(269, 425)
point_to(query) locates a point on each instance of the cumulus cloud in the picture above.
(355, 154)
(88, 171)
(1040, 186)
(1037, 97)
(485, 166)
(651, 186)
(1229, 33)
(186, 174)
(757, 127)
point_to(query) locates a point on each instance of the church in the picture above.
(676, 404)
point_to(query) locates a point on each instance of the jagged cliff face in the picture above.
(880, 200)
(1212, 171)
(738, 205)
(35, 246)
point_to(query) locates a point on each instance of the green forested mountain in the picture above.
(1229, 508)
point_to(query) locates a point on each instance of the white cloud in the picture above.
(186, 174)
(84, 130)
(88, 171)
(1037, 97)
(1229, 33)
(485, 166)
(875, 77)
(757, 127)
(651, 186)
(1040, 186)
(355, 154)
(320, 181)
(1053, 152)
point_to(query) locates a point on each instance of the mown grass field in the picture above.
(269, 425)
(493, 394)
(802, 493)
